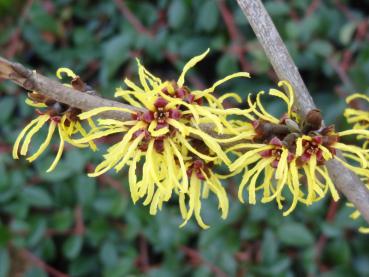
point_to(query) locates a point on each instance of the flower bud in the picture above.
(314, 119)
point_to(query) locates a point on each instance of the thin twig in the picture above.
(31, 80)
(41, 264)
(344, 179)
(132, 18)
(236, 39)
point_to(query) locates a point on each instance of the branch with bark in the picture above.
(345, 180)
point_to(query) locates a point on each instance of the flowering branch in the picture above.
(31, 80)
(164, 125)
(344, 179)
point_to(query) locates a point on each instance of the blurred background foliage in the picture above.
(65, 222)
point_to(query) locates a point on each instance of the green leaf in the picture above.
(72, 247)
(62, 220)
(194, 46)
(86, 189)
(208, 16)
(115, 53)
(277, 8)
(347, 31)
(338, 252)
(34, 271)
(269, 247)
(7, 105)
(37, 197)
(37, 232)
(295, 234)
(108, 254)
(4, 262)
(226, 65)
(321, 48)
(42, 20)
(177, 13)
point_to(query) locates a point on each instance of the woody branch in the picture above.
(345, 180)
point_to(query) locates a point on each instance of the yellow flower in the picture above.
(358, 117)
(278, 165)
(190, 102)
(57, 116)
(291, 153)
(202, 180)
(155, 138)
(158, 137)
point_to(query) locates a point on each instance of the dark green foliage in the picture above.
(42, 212)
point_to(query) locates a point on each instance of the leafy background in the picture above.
(67, 223)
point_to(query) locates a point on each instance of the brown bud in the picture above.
(314, 119)
(78, 84)
(36, 97)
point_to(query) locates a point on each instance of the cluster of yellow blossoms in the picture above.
(166, 151)
(358, 115)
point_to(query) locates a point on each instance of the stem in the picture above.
(344, 179)
(31, 80)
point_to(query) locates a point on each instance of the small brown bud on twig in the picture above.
(313, 121)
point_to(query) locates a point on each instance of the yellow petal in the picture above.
(227, 78)
(21, 135)
(357, 96)
(59, 154)
(182, 165)
(41, 121)
(191, 63)
(96, 111)
(44, 145)
(65, 70)
(29, 102)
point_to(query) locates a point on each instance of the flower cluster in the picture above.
(57, 116)
(160, 137)
(292, 155)
(168, 154)
(358, 115)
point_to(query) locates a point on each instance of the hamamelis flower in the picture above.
(191, 103)
(358, 117)
(202, 180)
(158, 137)
(277, 164)
(360, 120)
(58, 117)
(291, 155)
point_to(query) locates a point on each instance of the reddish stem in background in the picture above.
(322, 241)
(236, 39)
(79, 228)
(5, 148)
(362, 30)
(139, 27)
(12, 48)
(343, 8)
(108, 180)
(142, 261)
(346, 60)
(131, 18)
(196, 259)
(41, 264)
(313, 6)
